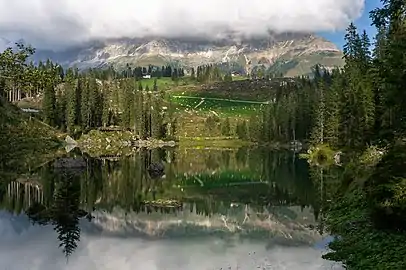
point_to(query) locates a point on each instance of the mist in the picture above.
(60, 23)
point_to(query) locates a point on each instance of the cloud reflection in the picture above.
(32, 247)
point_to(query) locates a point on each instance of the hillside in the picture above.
(289, 53)
(24, 141)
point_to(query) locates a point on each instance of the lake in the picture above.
(166, 209)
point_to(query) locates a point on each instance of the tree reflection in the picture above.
(62, 210)
(65, 213)
(218, 183)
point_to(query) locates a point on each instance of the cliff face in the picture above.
(288, 53)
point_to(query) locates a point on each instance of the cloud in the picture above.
(31, 247)
(48, 23)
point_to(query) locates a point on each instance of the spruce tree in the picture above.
(71, 107)
(85, 108)
(106, 106)
(225, 127)
(49, 101)
(155, 88)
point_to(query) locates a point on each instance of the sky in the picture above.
(363, 22)
(56, 24)
(36, 248)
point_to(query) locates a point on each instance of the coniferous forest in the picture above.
(358, 111)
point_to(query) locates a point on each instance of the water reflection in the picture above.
(232, 195)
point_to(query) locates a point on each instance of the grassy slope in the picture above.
(24, 142)
(305, 63)
(195, 102)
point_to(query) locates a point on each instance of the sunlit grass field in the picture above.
(223, 107)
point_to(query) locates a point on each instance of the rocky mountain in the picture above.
(288, 53)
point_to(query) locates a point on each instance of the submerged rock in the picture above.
(70, 163)
(156, 170)
(71, 166)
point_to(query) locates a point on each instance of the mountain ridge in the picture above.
(291, 54)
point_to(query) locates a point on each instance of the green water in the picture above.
(206, 209)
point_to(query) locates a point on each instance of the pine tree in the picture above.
(360, 101)
(49, 101)
(85, 108)
(317, 136)
(155, 88)
(332, 117)
(390, 20)
(106, 106)
(71, 107)
(65, 212)
(193, 74)
(61, 103)
(225, 127)
(128, 105)
(242, 130)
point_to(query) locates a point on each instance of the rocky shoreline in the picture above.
(113, 143)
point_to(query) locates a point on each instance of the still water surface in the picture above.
(164, 210)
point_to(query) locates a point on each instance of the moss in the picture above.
(320, 155)
(371, 156)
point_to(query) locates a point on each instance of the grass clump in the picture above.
(320, 155)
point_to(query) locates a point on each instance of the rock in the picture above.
(69, 147)
(69, 140)
(337, 158)
(70, 144)
(171, 143)
(70, 163)
(156, 170)
(296, 146)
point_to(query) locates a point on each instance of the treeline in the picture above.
(202, 74)
(87, 103)
(361, 105)
(210, 73)
(78, 102)
(153, 71)
(110, 72)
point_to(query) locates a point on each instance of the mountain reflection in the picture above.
(174, 193)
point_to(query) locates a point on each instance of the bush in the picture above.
(320, 155)
(386, 189)
(358, 244)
